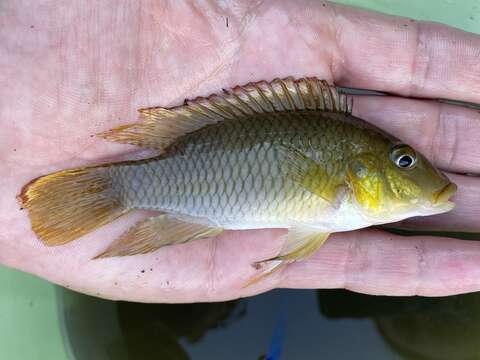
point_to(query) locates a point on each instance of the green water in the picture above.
(40, 321)
(323, 324)
(463, 14)
(29, 318)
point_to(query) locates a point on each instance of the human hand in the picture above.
(73, 69)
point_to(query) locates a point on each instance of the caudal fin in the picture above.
(68, 204)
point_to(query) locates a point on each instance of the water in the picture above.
(297, 324)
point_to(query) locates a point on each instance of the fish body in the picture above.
(285, 154)
(236, 175)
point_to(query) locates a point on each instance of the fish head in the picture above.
(398, 182)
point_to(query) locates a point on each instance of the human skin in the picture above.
(71, 69)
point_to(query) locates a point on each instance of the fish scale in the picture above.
(246, 181)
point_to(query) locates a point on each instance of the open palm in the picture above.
(73, 69)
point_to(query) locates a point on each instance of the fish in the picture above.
(281, 154)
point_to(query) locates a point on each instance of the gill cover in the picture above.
(396, 182)
(366, 182)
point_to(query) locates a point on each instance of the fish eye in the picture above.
(405, 161)
(403, 156)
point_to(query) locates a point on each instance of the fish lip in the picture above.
(444, 194)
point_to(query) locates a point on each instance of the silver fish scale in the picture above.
(231, 173)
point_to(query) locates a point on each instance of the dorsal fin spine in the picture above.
(300, 95)
(229, 113)
(239, 102)
(288, 97)
(159, 127)
(266, 100)
(241, 108)
(274, 95)
(252, 99)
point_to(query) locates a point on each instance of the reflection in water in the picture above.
(156, 329)
(102, 329)
(416, 327)
(288, 320)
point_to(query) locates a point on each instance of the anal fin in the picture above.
(151, 234)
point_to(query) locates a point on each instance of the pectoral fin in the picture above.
(300, 244)
(309, 174)
(153, 233)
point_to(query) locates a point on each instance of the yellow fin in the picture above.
(310, 175)
(300, 244)
(68, 204)
(158, 127)
(153, 233)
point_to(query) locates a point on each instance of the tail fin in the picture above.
(68, 204)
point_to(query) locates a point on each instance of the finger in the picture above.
(368, 261)
(446, 134)
(205, 270)
(374, 262)
(403, 56)
(463, 218)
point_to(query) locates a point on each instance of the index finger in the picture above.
(406, 57)
(379, 263)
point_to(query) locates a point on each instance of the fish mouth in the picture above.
(444, 194)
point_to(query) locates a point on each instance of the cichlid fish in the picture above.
(284, 154)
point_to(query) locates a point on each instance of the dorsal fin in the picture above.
(158, 127)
